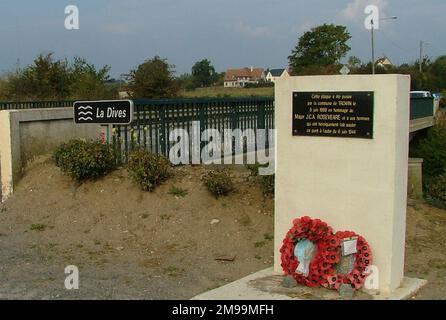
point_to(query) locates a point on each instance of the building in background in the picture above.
(273, 74)
(238, 78)
(384, 62)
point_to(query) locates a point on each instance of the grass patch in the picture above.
(2, 210)
(165, 217)
(178, 192)
(38, 227)
(220, 92)
(268, 237)
(259, 244)
(173, 271)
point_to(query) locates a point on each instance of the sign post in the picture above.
(104, 112)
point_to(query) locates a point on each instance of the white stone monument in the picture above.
(354, 177)
(341, 156)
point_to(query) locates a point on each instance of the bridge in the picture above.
(422, 114)
(153, 121)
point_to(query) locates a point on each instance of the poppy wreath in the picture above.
(322, 267)
(363, 258)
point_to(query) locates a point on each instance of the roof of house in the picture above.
(276, 72)
(233, 74)
(384, 61)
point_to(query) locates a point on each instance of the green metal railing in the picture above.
(34, 104)
(154, 120)
(421, 108)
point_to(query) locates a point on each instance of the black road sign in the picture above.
(107, 112)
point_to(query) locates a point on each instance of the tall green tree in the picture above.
(438, 72)
(354, 63)
(322, 46)
(87, 81)
(46, 78)
(154, 78)
(203, 73)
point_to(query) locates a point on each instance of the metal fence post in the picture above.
(162, 132)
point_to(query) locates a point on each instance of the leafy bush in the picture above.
(267, 181)
(432, 148)
(436, 188)
(85, 160)
(178, 192)
(268, 184)
(218, 182)
(254, 168)
(148, 169)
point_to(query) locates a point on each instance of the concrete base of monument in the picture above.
(267, 285)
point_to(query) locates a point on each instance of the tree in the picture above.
(203, 73)
(323, 46)
(438, 72)
(354, 63)
(153, 79)
(48, 78)
(87, 82)
(186, 81)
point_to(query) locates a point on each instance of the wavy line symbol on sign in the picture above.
(85, 108)
(87, 114)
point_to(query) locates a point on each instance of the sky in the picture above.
(230, 33)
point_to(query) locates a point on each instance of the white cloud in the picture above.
(355, 9)
(307, 25)
(251, 31)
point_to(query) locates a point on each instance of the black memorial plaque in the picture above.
(105, 112)
(333, 114)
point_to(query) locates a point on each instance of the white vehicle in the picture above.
(420, 94)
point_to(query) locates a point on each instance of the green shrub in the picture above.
(268, 184)
(254, 168)
(85, 160)
(436, 188)
(178, 192)
(267, 181)
(148, 169)
(432, 148)
(218, 182)
(38, 227)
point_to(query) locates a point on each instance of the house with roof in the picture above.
(238, 78)
(273, 74)
(384, 62)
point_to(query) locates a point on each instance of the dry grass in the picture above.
(227, 92)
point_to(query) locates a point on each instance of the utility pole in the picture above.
(373, 47)
(373, 39)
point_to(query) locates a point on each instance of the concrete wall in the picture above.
(25, 134)
(352, 184)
